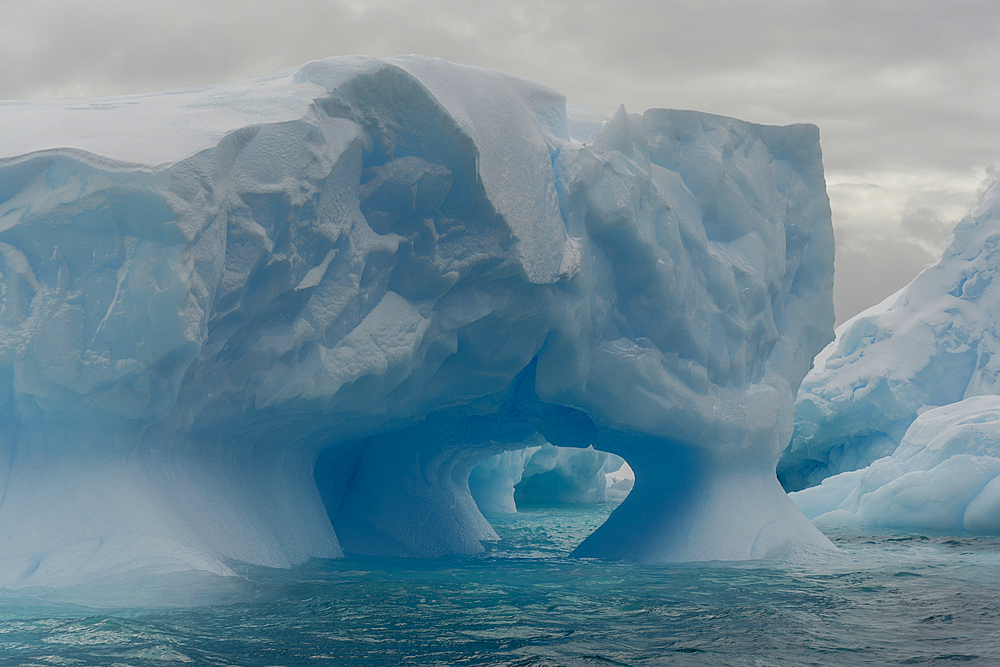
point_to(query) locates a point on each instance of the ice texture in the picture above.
(933, 343)
(944, 476)
(283, 319)
(564, 475)
(492, 482)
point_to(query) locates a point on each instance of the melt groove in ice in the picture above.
(285, 318)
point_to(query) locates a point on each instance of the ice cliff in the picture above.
(283, 319)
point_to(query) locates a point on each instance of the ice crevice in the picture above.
(261, 340)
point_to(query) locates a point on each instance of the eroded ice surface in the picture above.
(285, 318)
(933, 343)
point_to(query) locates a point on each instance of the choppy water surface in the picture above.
(889, 599)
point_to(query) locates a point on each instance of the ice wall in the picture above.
(933, 343)
(285, 318)
(492, 482)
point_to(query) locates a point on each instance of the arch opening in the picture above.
(428, 490)
(544, 475)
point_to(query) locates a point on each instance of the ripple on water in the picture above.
(888, 599)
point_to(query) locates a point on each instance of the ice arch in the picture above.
(232, 313)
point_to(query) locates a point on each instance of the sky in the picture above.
(905, 92)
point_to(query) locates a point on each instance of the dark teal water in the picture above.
(889, 599)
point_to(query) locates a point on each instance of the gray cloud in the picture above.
(902, 90)
(871, 267)
(924, 226)
(990, 178)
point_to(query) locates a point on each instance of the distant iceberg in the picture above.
(286, 318)
(900, 418)
(549, 475)
(933, 343)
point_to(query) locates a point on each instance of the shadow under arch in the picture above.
(406, 492)
(423, 492)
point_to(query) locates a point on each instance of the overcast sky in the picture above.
(906, 93)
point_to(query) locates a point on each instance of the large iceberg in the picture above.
(900, 418)
(933, 343)
(285, 318)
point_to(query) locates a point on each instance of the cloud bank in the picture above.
(900, 90)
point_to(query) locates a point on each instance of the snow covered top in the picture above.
(155, 128)
(933, 343)
(160, 128)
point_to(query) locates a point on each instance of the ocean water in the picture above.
(886, 599)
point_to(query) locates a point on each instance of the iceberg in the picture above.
(548, 475)
(944, 476)
(933, 343)
(564, 475)
(286, 318)
(492, 482)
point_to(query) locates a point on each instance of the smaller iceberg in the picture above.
(944, 476)
(933, 343)
(549, 475)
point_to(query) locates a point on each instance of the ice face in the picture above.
(933, 343)
(492, 482)
(290, 319)
(944, 476)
